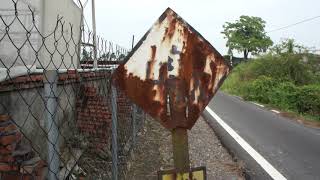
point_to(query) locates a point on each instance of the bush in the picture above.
(260, 89)
(283, 68)
(284, 96)
(283, 81)
(308, 100)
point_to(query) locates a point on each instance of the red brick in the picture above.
(9, 128)
(4, 118)
(37, 77)
(10, 139)
(5, 167)
(7, 149)
(19, 176)
(21, 79)
(64, 76)
(6, 158)
(73, 71)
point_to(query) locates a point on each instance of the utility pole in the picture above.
(81, 35)
(132, 45)
(95, 61)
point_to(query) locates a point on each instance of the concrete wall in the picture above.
(71, 13)
(24, 102)
(8, 51)
(83, 116)
(84, 110)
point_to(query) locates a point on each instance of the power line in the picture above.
(294, 24)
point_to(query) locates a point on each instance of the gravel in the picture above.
(154, 152)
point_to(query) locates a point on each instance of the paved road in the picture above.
(293, 149)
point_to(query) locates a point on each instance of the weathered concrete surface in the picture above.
(27, 109)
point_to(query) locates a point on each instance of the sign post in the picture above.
(172, 74)
(180, 149)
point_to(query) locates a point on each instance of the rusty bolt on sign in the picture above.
(172, 73)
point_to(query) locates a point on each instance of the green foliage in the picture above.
(247, 35)
(269, 91)
(308, 100)
(236, 82)
(260, 89)
(288, 46)
(284, 96)
(86, 55)
(284, 81)
(289, 67)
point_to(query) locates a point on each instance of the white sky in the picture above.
(118, 20)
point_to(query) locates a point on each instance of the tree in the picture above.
(247, 35)
(288, 46)
(85, 55)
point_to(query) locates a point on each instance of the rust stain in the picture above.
(171, 29)
(150, 64)
(176, 100)
(132, 85)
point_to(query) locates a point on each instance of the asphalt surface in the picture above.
(293, 149)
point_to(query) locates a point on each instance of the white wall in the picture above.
(17, 35)
(45, 12)
(71, 13)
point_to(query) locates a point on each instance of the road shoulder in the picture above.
(154, 152)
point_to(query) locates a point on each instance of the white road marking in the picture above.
(257, 104)
(275, 174)
(275, 111)
(238, 97)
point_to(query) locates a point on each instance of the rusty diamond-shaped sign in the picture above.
(172, 73)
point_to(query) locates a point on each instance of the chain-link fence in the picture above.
(60, 118)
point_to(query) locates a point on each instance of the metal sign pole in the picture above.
(177, 105)
(180, 149)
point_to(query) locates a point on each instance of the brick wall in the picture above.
(125, 112)
(84, 102)
(17, 160)
(94, 116)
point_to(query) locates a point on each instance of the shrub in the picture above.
(308, 100)
(284, 96)
(283, 68)
(284, 81)
(260, 89)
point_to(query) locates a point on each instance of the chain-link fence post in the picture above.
(114, 128)
(134, 124)
(50, 90)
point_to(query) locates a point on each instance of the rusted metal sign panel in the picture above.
(172, 73)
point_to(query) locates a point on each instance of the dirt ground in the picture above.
(154, 153)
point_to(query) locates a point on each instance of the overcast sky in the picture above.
(118, 20)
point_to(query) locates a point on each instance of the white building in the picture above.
(14, 38)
